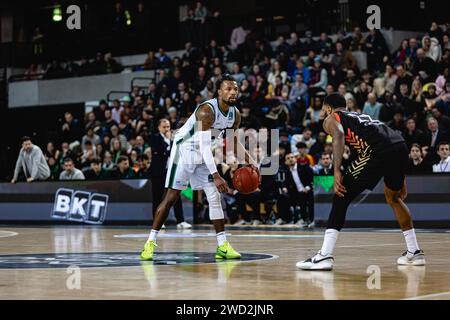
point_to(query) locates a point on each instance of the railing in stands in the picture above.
(108, 96)
(44, 75)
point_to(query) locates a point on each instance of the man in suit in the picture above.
(432, 137)
(160, 144)
(297, 191)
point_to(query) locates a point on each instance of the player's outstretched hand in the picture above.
(338, 187)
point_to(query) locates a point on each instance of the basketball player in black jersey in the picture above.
(380, 152)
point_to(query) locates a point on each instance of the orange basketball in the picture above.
(246, 180)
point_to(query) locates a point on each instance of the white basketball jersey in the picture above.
(222, 121)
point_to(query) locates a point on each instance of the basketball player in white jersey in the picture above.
(191, 160)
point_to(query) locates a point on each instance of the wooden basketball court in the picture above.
(41, 263)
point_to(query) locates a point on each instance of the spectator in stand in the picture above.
(302, 154)
(71, 129)
(324, 44)
(372, 107)
(396, 123)
(318, 77)
(443, 100)
(412, 134)
(54, 169)
(403, 77)
(151, 62)
(390, 78)
(51, 152)
(306, 137)
(432, 48)
(400, 55)
(115, 134)
(357, 39)
(66, 152)
(434, 135)
(318, 148)
(351, 81)
(123, 170)
(424, 67)
(98, 66)
(411, 51)
(237, 74)
(325, 166)
(298, 92)
(312, 115)
(435, 30)
(111, 65)
(297, 190)
(200, 81)
(144, 166)
(416, 163)
(107, 124)
(278, 116)
(443, 120)
(376, 49)
(238, 36)
(91, 121)
(31, 163)
(444, 154)
(70, 172)
(445, 43)
(91, 137)
(275, 72)
(108, 163)
(87, 155)
(116, 110)
(163, 59)
(96, 171)
(141, 146)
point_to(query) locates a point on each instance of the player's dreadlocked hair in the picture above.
(224, 77)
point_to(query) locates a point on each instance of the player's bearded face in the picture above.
(229, 92)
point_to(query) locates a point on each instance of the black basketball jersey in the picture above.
(365, 135)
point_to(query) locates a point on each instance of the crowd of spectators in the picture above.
(101, 64)
(281, 87)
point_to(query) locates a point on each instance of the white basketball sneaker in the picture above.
(184, 225)
(412, 259)
(318, 262)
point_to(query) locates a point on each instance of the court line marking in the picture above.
(5, 234)
(432, 295)
(355, 246)
(207, 235)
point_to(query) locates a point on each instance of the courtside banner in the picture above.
(92, 202)
(80, 206)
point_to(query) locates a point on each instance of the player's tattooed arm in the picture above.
(205, 116)
(239, 149)
(334, 128)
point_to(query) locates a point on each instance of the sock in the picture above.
(221, 238)
(411, 241)
(153, 235)
(329, 241)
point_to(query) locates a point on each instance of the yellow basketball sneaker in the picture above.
(226, 251)
(149, 249)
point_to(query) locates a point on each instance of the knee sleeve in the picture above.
(215, 205)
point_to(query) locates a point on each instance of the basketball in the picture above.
(246, 180)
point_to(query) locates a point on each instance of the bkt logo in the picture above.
(80, 206)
